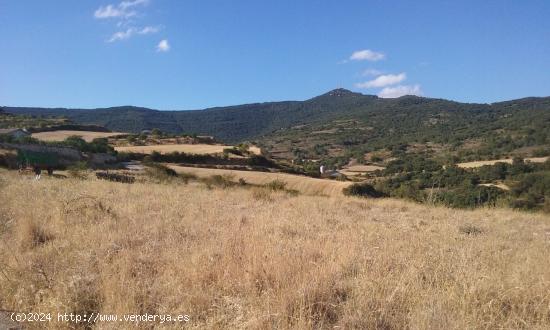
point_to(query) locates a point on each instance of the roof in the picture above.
(11, 130)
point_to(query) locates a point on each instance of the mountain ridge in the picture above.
(254, 120)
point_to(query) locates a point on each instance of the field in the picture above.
(493, 162)
(230, 259)
(62, 135)
(360, 169)
(303, 184)
(166, 148)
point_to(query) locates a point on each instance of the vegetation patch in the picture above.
(221, 181)
(470, 229)
(363, 190)
(159, 173)
(115, 177)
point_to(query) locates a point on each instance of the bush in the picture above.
(221, 181)
(470, 197)
(363, 190)
(160, 173)
(98, 145)
(78, 170)
(233, 151)
(470, 229)
(114, 177)
(257, 160)
(276, 185)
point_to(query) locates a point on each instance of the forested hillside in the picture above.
(342, 123)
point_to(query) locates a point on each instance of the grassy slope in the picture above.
(231, 260)
(303, 184)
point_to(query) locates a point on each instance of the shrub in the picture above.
(98, 145)
(159, 173)
(221, 181)
(78, 170)
(470, 229)
(233, 151)
(186, 177)
(257, 160)
(115, 177)
(362, 189)
(276, 185)
(470, 197)
(32, 234)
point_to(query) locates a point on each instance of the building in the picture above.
(14, 132)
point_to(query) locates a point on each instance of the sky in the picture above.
(193, 54)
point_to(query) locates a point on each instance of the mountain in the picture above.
(339, 121)
(231, 123)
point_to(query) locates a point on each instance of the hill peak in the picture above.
(340, 92)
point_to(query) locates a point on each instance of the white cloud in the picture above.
(371, 72)
(128, 4)
(122, 35)
(366, 54)
(122, 10)
(400, 90)
(384, 80)
(163, 46)
(149, 30)
(110, 11)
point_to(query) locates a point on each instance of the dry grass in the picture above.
(166, 148)
(188, 148)
(493, 162)
(499, 185)
(62, 135)
(303, 184)
(360, 169)
(231, 260)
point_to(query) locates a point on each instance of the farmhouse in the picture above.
(15, 132)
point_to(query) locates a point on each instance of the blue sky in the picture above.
(193, 54)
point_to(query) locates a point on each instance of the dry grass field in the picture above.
(303, 184)
(493, 162)
(360, 169)
(166, 148)
(62, 135)
(232, 260)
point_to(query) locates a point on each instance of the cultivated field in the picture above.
(493, 162)
(303, 184)
(232, 260)
(360, 169)
(187, 148)
(62, 135)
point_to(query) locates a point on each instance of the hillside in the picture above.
(231, 258)
(341, 122)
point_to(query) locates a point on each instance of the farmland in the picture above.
(232, 260)
(360, 169)
(61, 135)
(493, 162)
(167, 148)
